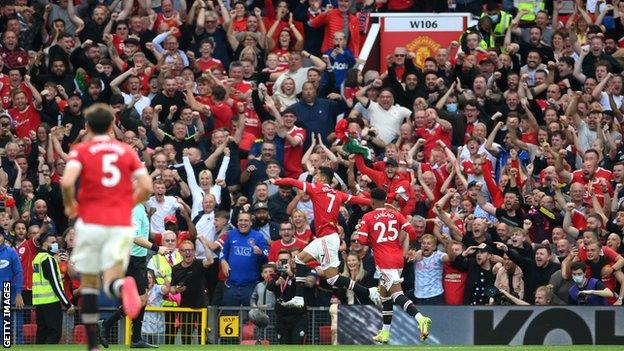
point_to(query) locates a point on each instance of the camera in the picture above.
(282, 268)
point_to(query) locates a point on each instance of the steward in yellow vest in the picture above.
(501, 20)
(48, 293)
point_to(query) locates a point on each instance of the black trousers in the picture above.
(291, 331)
(49, 323)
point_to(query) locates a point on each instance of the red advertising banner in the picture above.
(421, 34)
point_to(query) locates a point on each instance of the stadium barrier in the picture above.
(178, 325)
(24, 327)
(171, 325)
(489, 325)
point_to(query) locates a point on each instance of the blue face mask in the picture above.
(451, 107)
(54, 247)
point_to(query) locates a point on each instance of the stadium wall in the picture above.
(499, 325)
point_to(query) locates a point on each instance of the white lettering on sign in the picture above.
(424, 24)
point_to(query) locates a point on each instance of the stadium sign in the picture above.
(421, 33)
(496, 325)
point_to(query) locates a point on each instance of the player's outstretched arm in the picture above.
(292, 182)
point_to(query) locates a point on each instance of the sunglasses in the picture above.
(186, 250)
(354, 240)
(170, 240)
(399, 55)
(4, 124)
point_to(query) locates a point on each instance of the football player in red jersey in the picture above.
(387, 232)
(326, 203)
(103, 208)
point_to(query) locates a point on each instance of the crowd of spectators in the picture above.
(504, 150)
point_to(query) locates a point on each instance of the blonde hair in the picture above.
(298, 211)
(206, 172)
(361, 270)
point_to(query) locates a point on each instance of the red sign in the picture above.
(421, 34)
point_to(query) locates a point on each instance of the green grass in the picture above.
(326, 347)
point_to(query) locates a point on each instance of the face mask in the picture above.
(451, 107)
(494, 18)
(54, 247)
(578, 279)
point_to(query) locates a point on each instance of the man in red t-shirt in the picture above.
(287, 242)
(386, 231)
(589, 175)
(326, 203)
(103, 206)
(25, 115)
(435, 129)
(391, 181)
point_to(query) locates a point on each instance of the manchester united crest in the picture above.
(422, 47)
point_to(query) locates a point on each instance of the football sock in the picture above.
(90, 314)
(341, 281)
(386, 312)
(301, 273)
(113, 289)
(405, 303)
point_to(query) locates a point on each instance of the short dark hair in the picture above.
(545, 247)
(327, 173)
(99, 118)
(574, 266)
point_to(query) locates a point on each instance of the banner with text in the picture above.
(420, 33)
(497, 325)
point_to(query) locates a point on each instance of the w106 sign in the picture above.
(423, 34)
(424, 24)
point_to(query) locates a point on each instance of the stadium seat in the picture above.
(248, 332)
(325, 335)
(80, 334)
(30, 333)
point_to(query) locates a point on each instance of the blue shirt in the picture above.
(11, 269)
(238, 253)
(340, 65)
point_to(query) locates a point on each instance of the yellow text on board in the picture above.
(228, 326)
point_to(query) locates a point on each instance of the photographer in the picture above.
(291, 323)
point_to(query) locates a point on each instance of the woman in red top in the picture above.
(284, 45)
(302, 228)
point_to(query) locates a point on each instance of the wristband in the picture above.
(154, 247)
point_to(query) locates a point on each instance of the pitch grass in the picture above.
(325, 347)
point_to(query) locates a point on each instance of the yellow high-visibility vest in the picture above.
(532, 6)
(161, 263)
(503, 23)
(42, 292)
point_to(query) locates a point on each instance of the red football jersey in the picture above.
(105, 193)
(326, 203)
(27, 251)
(380, 230)
(579, 177)
(293, 154)
(278, 246)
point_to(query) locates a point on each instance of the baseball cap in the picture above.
(171, 219)
(472, 184)
(260, 205)
(486, 248)
(485, 61)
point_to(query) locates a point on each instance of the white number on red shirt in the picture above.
(381, 227)
(332, 198)
(109, 168)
